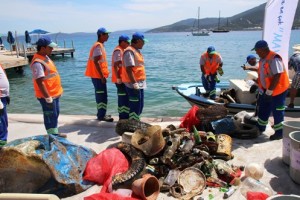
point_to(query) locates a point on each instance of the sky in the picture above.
(88, 15)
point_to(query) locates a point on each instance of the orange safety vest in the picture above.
(139, 68)
(114, 76)
(210, 67)
(51, 79)
(91, 70)
(283, 83)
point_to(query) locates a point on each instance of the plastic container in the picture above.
(252, 185)
(295, 156)
(288, 127)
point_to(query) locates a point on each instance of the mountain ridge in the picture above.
(251, 19)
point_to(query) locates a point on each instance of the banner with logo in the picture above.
(279, 18)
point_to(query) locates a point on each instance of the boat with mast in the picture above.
(199, 32)
(220, 29)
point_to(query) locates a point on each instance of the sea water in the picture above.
(170, 59)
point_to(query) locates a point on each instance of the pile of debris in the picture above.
(183, 161)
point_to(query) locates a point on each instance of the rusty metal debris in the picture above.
(198, 162)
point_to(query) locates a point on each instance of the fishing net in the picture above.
(211, 113)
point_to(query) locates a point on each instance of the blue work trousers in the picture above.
(136, 102)
(209, 85)
(3, 123)
(51, 113)
(277, 107)
(101, 97)
(123, 105)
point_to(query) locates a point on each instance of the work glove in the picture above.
(268, 96)
(8, 100)
(136, 86)
(207, 77)
(49, 102)
(1, 108)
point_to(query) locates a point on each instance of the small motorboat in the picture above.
(194, 93)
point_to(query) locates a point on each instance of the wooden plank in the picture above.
(12, 61)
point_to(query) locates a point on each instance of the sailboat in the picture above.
(199, 32)
(220, 30)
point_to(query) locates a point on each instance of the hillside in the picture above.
(250, 19)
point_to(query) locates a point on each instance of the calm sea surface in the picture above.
(171, 59)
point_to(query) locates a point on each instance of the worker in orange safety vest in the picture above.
(97, 70)
(210, 63)
(273, 85)
(47, 84)
(117, 73)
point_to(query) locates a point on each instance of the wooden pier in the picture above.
(20, 55)
(10, 61)
(29, 52)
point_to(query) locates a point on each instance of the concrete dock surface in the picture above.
(89, 132)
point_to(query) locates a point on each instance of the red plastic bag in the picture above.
(256, 196)
(104, 166)
(189, 119)
(108, 196)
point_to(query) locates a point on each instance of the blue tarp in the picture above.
(66, 162)
(224, 125)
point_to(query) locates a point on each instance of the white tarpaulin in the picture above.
(279, 18)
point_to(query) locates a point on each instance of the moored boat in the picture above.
(194, 93)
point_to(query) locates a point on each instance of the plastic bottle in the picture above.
(198, 93)
(217, 79)
(197, 137)
(252, 185)
(173, 144)
(172, 177)
(188, 146)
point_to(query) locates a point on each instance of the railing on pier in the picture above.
(29, 51)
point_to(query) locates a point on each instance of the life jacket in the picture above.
(114, 76)
(283, 83)
(210, 65)
(138, 70)
(51, 79)
(91, 70)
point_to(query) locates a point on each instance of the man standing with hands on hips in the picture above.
(273, 84)
(47, 84)
(135, 76)
(97, 69)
